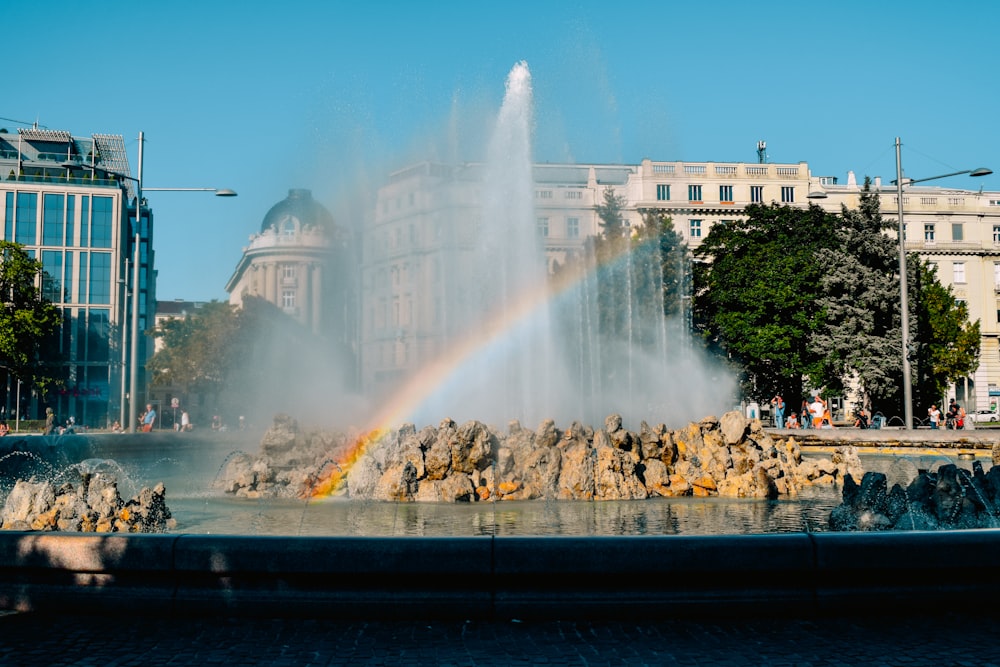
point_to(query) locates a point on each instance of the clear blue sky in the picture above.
(263, 97)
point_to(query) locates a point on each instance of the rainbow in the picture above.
(442, 370)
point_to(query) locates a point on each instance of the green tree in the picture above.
(29, 323)
(758, 290)
(249, 360)
(197, 351)
(861, 335)
(945, 345)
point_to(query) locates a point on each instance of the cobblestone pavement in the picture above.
(28, 639)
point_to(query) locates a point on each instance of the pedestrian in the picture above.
(934, 415)
(148, 419)
(817, 411)
(185, 421)
(779, 411)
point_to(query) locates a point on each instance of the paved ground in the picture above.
(26, 639)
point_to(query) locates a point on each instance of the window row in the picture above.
(61, 220)
(91, 277)
(572, 227)
(694, 193)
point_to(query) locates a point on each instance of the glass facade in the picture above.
(80, 235)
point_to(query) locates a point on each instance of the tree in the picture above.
(198, 350)
(757, 295)
(249, 360)
(29, 323)
(861, 337)
(945, 343)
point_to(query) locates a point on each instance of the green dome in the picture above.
(299, 207)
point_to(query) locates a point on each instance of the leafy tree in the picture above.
(945, 343)
(197, 350)
(861, 335)
(29, 323)
(757, 295)
(249, 360)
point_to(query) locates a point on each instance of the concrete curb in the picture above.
(492, 578)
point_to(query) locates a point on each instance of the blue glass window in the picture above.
(101, 223)
(84, 221)
(26, 226)
(100, 277)
(53, 219)
(70, 217)
(8, 225)
(81, 291)
(97, 335)
(52, 272)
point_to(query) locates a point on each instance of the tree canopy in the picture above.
(794, 297)
(29, 323)
(757, 300)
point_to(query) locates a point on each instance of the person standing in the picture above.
(185, 421)
(817, 410)
(148, 419)
(50, 422)
(779, 411)
(934, 415)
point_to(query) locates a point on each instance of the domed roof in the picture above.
(300, 205)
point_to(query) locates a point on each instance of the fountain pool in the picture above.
(188, 464)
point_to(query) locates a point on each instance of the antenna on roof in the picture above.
(761, 152)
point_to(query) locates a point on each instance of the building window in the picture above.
(543, 194)
(996, 276)
(929, 231)
(787, 194)
(996, 233)
(756, 194)
(27, 211)
(726, 194)
(53, 219)
(100, 278)
(52, 272)
(543, 227)
(956, 231)
(695, 229)
(573, 228)
(574, 194)
(288, 299)
(663, 192)
(694, 193)
(288, 271)
(958, 272)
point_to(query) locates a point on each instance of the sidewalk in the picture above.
(886, 640)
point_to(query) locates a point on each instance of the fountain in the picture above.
(508, 362)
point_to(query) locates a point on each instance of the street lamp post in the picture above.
(904, 305)
(133, 408)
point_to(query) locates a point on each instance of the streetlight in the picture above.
(133, 415)
(904, 305)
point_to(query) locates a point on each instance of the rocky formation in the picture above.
(731, 456)
(91, 505)
(948, 497)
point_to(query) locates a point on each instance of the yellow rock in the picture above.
(706, 482)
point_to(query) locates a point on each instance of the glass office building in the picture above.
(70, 201)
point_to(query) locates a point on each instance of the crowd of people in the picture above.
(815, 413)
(954, 418)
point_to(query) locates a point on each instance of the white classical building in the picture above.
(293, 261)
(428, 214)
(959, 232)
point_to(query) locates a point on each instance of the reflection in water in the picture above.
(655, 516)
